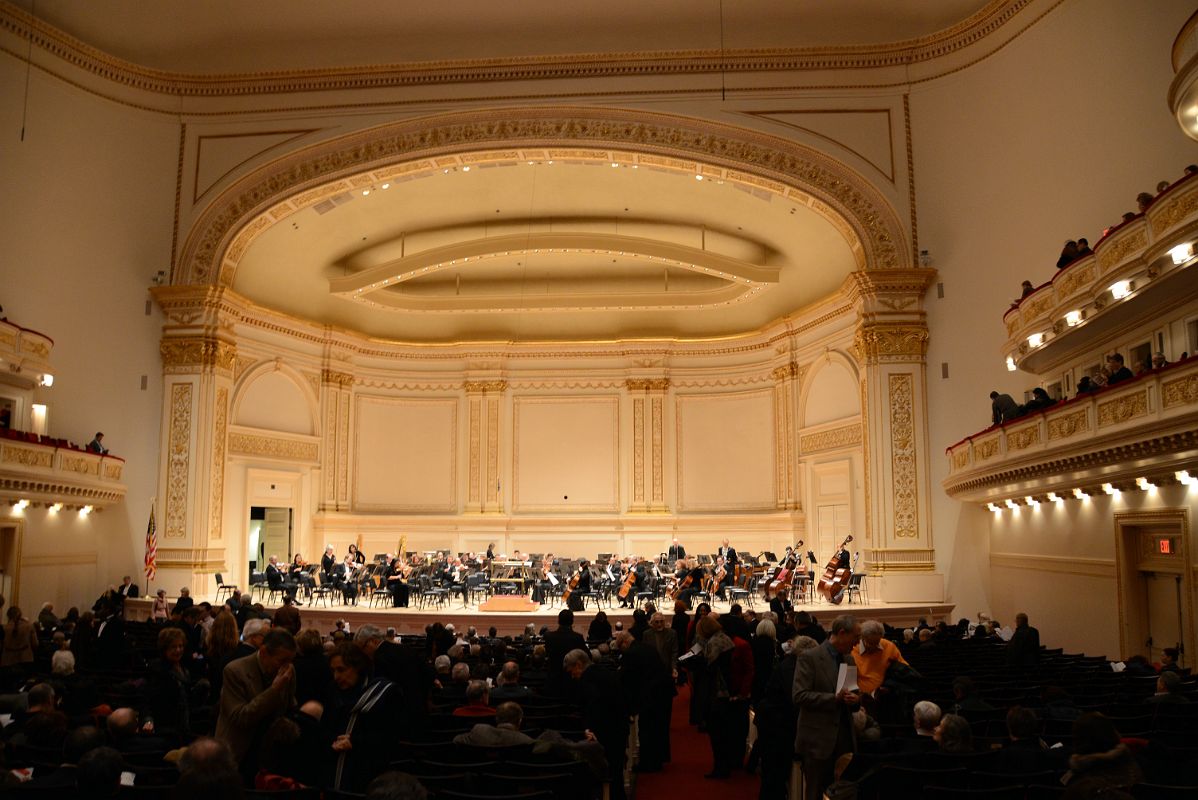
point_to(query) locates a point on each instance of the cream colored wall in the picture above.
(1050, 139)
(85, 221)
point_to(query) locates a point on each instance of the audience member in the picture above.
(1083, 248)
(1168, 690)
(954, 735)
(825, 729)
(395, 786)
(1098, 754)
(1040, 401)
(258, 689)
(1003, 408)
(1068, 254)
(504, 733)
(1023, 649)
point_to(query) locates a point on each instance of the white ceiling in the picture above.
(221, 36)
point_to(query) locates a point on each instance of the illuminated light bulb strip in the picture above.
(1142, 483)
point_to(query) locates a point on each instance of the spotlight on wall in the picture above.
(1185, 477)
(1011, 364)
(1120, 289)
(55, 508)
(1182, 253)
(1032, 502)
(1145, 485)
(83, 512)
(993, 508)
(1111, 490)
(1054, 497)
(1073, 318)
(1080, 495)
(1011, 504)
(47, 380)
(20, 505)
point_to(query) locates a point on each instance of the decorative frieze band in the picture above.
(248, 444)
(901, 560)
(196, 352)
(877, 343)
(485, 387)
(845, 436)
(333, 378)
(647, 384)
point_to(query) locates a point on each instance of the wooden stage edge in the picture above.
(414, 620)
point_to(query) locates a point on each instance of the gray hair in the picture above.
(460, 671)
(766, 629)
(871, 627)
(254, 627)
(62, 662)
(509, 713)
(476, 692)
(576, 657)
(803, 643)
(441, 662)
(368, 633)
(927, 715)
(843, 623)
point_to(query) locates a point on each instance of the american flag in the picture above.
(151, 547)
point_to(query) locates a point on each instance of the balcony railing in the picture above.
(1136, 270)
(40, 472)
(24, 353)
(1145, 427)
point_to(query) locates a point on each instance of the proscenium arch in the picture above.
(225, 229)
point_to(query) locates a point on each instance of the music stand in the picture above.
(705, 560)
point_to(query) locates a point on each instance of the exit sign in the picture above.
(1166, 546)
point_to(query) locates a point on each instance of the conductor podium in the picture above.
(510, 581)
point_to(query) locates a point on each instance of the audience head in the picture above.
(962, 687)
(1169, 656)
(953, 734)
(801, 644)
(99, 772)
(1094, 733)
(1022, 723)
(441, 664)
(709, 626)
(368, 638)
(767, 630)
(395, 786)
(62, 662)
(80, 742)
(927, 717)
(510, 674)
(42, 698)
(254, 631)
(576, 662)
(207, 769)
(509, 714)
(845, 633)
(565, 618)
(276, 651)
(476, 693)
(122, 723)
(1021, 618)
(349, 665)
(1168, 683)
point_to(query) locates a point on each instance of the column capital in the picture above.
(889, 290)
(875, 343)
(343, 380)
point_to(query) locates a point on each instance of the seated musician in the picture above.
(722, 564)
(344, 578)
(298, 570)
(636, 571)
(357, 555)
(583, 586)
(542, 586)
(276, 579)
(327, 562)
(395, 578)
(780, 603)
(696, 575)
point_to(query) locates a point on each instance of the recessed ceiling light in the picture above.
(386, 186)
(465, 169)
(365, 192)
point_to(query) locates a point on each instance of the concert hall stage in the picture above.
(414, 619)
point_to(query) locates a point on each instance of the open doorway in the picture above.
(1156, 608)
(10, 561)
(269, 535)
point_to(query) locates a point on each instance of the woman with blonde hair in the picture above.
(222, 644)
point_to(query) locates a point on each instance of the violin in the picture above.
(835, 581)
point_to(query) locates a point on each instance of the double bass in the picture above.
(835, 581)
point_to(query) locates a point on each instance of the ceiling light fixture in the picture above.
(1035, 340)
(386, 186)
(1111, 490)
(1184, 477)
(1056, 498)
(1145, 484)
(465, 169)
(1120, 289)
(1011, 364)
(698, 177)
(993, 508)
(20, 505)
(1182, 253)
(1073, 318)
(1032, 502)
(55, 508)
(365, 192)
(1080, 495)
(83, 512)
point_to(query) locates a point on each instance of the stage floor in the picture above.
(414, 619)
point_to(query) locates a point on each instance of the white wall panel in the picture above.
(726, 451)
(405, 454)
(567, 454)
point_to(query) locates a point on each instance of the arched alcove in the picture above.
(271, 398)
(831, 392)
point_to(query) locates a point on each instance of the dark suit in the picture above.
(649, 691)
(558, 642)
(410, 672)
(675, 554)
(605, 714)
(825, 730)
(275, 580)
(1023, 651)
(128, 591)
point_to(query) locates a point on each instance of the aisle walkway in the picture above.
(691, 754)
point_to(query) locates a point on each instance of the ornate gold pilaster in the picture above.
(786, 453)
(648, 469)
(890, 344)
(336, 389)
(484, 492)
(199, 360)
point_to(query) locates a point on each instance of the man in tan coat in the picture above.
(257, 690)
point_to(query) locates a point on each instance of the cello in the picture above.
(629, 579)
(835, 581)
(783, 574)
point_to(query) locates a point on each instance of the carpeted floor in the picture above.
(691, 759)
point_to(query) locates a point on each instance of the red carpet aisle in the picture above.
(691, 753)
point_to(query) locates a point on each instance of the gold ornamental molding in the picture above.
(1122, 409)
(985, 22)
(485, 387)
(647, 384)
(341, 380)
(249, 444)
(877, 343)
(186, 353)
(789, 370)
(845, 436)
(892, 560)
(1183, 391)
(902, 456)
(217, 488)
(226, 228)
(198, 559)
(31, 456)
(177, 460)
(1066, 425)
(1023, 438)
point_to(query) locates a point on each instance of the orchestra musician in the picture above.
(696, 574)
(277, 579)
(542, 586)
(357, 555)
(676, 552)
(344, 579)
(327, 562)
(490, 551)
(299, 573)
(395, 577)
(729, 554)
